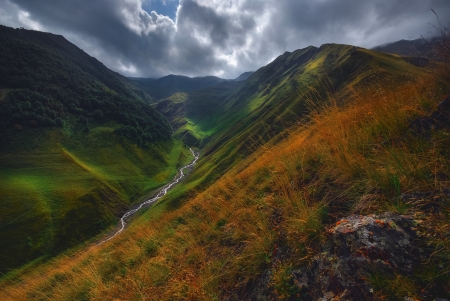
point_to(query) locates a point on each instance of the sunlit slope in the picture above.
(78, 144)
(58, 189)
(281, 93)
(246, 234)
(194, 115)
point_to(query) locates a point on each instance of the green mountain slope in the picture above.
(79, 145)
(44, 79)
(194, 115)
(378, 144)
(275, 97)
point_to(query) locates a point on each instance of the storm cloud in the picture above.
(219, 37)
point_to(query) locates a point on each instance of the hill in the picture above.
(286, 221)
(418, 52)
(243, 76)
(418, 47)
(79, 145)
(193, 115)
(166, 86)
(231, 120)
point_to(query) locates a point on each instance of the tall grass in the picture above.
(255, 223)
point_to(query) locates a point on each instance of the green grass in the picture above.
(222, 241)
(59, 188)
(230, 121)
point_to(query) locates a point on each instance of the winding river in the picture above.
(159, 195)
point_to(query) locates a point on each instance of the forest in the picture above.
(45, 81)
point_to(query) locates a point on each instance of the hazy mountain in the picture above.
(418, 47)
(243, 76)
(165, 86)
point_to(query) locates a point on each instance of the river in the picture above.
(180, 175)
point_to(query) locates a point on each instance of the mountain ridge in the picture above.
(168, 85)
(171, 84)
(293, 159)
(268, 101)
(418, 47)
(80, 144)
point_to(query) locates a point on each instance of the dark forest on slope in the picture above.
(44, 78)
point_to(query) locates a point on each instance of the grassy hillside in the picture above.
(59, 190)
(194, 115)
(233, 119)
(269, 214)
(79, 145)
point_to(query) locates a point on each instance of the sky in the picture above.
(154, 38)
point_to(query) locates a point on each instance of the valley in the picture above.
(285, 166)
(180, 175)
(80, 145)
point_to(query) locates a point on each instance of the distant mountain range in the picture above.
(168, 85)
(418, 47)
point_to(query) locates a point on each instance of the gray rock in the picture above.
(358, 246)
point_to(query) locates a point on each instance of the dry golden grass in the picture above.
(345, 159)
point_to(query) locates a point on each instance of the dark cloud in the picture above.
(219, 37)
(362, 23)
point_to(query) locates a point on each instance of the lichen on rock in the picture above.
(357, 247)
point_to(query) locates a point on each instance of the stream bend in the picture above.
(159, 195)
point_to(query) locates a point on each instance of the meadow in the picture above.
(60, 188)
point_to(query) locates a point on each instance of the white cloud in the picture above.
(24, 19)
(12, 15)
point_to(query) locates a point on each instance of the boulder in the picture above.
(359, 246)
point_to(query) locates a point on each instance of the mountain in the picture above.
(415, 49)
(229, 119)
(79, 145)
(327, 177)
(243, 76)
(166, 86)
(44, 79)
(193, 115)
(418, 47)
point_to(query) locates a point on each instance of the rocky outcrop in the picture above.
(358, 248)
(384, 256)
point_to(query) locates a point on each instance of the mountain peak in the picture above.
(243, 76)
